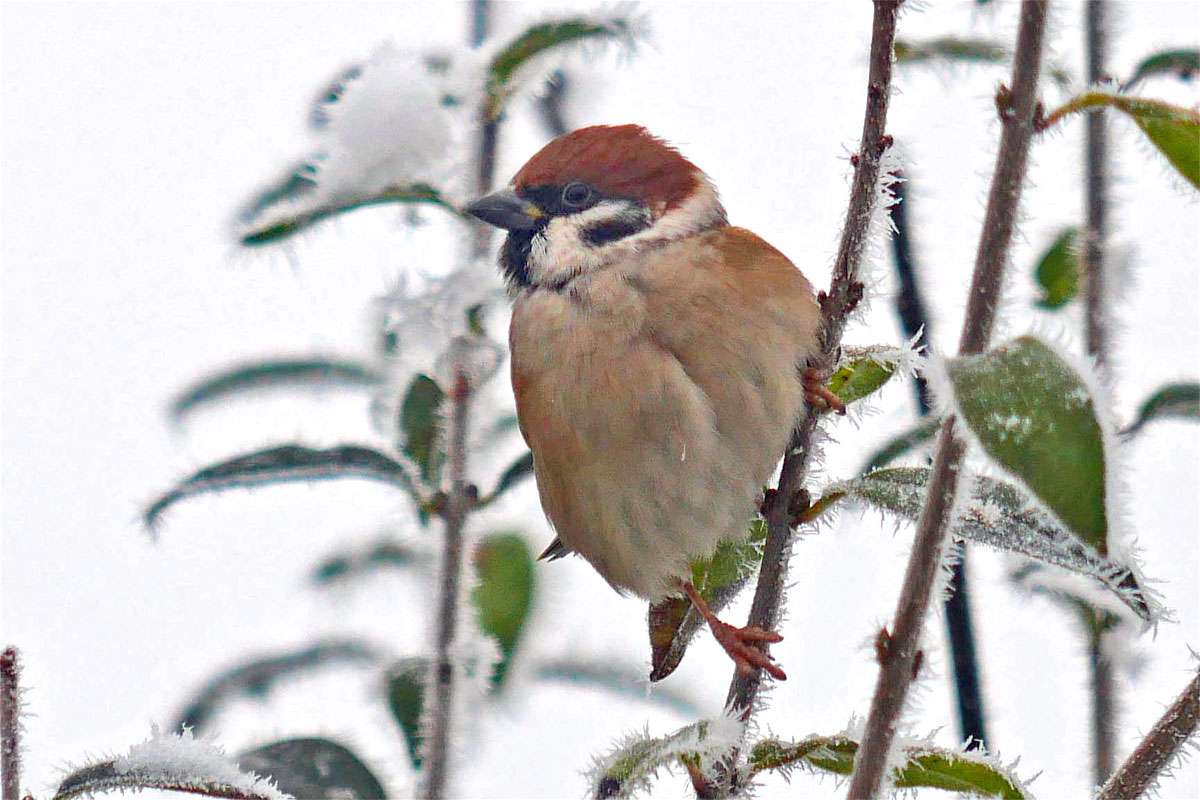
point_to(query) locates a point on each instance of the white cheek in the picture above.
(559, 253)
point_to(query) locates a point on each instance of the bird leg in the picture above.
(817, 394)
(741, 644)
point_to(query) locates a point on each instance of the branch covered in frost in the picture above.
(836, 305)
(1161, 746)
(10, 723)
(896, 669)
(439, 718)
(169, 763)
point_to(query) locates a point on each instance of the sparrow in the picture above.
(658, 359)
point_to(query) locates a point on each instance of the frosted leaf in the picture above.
(1033, 414)
(169, 762)
(861, 371)
(920, 765)
(999, 515)
(632, 765)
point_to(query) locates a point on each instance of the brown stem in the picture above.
(454, 515)
(10, 724)
(1164, 742)
(844, 292)
(1096, 333)
(896, 670)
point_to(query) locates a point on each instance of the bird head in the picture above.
(592, 197)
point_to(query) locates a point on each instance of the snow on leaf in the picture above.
(313, 372)
(284, 464)
(634, 763)
(1034, 416)
(972, 773)
(172, 763)
(383, 134)
(314, 768)
(1175, 400)
(998, 514)
(1057, 272)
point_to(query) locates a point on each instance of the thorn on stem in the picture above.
(854, 295)
(883, 643)
(1004, 102)
(885, 143)
(918, 662)
(799, 502)
(768, 499)
(1039, 117)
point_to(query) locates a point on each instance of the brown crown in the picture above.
(619, 161)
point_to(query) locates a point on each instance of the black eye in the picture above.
(576, 195)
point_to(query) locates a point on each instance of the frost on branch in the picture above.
(634, 763)
(923, 766)
(999, 515)
(172, 763)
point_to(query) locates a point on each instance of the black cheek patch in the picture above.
(514, 257)
(610, 230)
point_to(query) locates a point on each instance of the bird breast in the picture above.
(657, 395)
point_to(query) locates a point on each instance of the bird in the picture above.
(659, 360)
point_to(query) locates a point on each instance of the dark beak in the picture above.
(505, 209)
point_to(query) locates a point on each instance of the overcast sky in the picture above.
(131, 134)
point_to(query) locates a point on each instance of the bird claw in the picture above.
(739, 644)
(817, 394)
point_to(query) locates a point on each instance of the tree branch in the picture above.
(437, 743)
(10, 724)
(1164, 742)
(915, 323)
(898, 657)
(844, 292)
(1096, 333)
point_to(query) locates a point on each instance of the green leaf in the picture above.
(950, 48)
(420, 422)
(542, 38)
(1184, 63)
(898, 445)
(517, 471)
(1000, 516)
(202, 768)
(1174, 130)
(673, 622)
(1057, 272)
(312, 767)
(616, 680)
(300, 373)
(350, 564)
(278, 228)
(504, 595)
(632, 765)
(287, 463)
(863, 370)
(1036, 417)
(256, 677)
(406, 699)
(926, 767)
(1175, 400)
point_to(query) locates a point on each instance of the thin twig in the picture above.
(440, 700)
(1164, 742)
(10, 723)
(959, 629)
(442, 685)
(898, 657)
(845, 290)
(1096, 333)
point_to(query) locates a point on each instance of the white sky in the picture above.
(132, 132)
